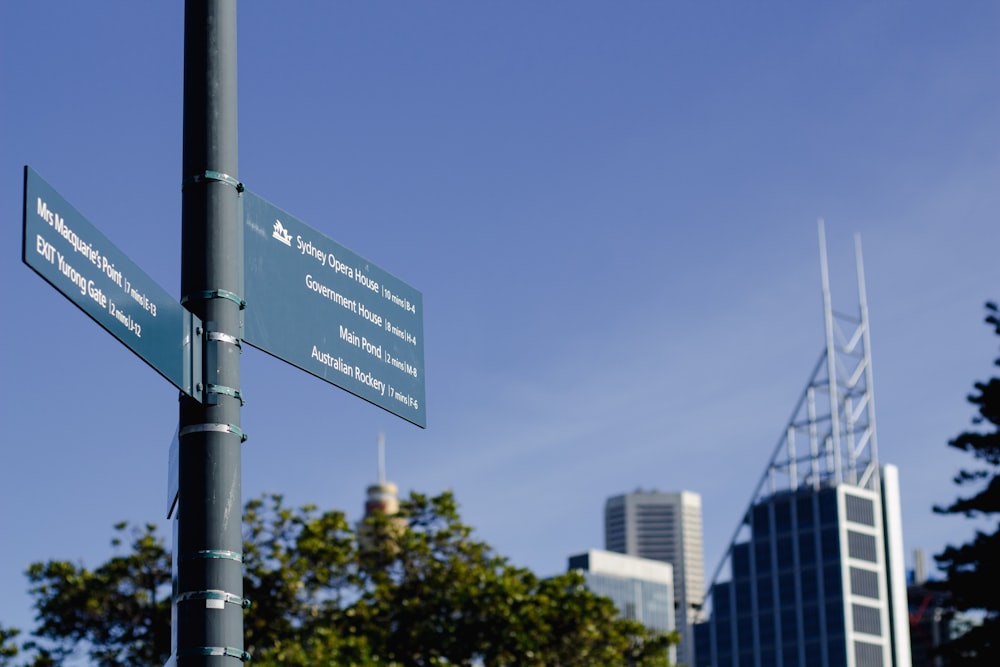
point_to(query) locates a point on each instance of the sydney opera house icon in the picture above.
(281, 233)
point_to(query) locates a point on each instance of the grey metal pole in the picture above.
(209, 549)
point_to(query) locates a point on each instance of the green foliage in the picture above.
(973, 568)
(409, 590)
(120, 611)
(8, 649)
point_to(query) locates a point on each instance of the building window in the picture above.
(762, 554)
(830, 544)
(807, 548)
(804, 511)
(866, 619)
(786, 554)
(782, 515)
(864, 582)
(761, 520)
(836, 651)
(867, 655)
(828, 508)
(860, 510)
(862, 546)
(831, 581)
(741, 560)
(809, 582)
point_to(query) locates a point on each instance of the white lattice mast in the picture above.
(840, 426)
(835, 415)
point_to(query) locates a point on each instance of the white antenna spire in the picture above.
(381, 458)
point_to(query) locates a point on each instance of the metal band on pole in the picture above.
(226, 651)
(213, 553)
(215, 294)
(210, 175)
(212, 428)
(216, 596)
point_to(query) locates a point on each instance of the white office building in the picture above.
(664, 527)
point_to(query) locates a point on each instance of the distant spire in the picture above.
(382, 496)
(383, 499)
(381, 458)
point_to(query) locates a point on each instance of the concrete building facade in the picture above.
(665, 527)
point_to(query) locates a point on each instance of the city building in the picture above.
(814, 575)
(641, 589)
(664, 527)
(932, 621)
(813, 584)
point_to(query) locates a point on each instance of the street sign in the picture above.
(320, 307)
(79, 261)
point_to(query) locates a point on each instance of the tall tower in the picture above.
(383, 496)
(814, 573)
(382, 501)
(664, 527)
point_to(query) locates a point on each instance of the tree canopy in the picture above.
(415, 589)
(973, 569)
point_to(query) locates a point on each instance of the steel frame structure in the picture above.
(830, 438)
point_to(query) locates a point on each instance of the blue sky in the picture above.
(610, 209)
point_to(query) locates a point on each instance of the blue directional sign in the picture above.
(320, 307)
(79, 261)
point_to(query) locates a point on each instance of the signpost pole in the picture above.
(209, 589)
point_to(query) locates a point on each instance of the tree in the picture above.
(973, 569)
(119, 611)
(418, 590)
(8, 649)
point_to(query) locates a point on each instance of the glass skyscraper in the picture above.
(818, 583)
(641, 589)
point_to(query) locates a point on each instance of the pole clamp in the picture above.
(226, 651)
(221, 389)
(224, 338)
(208, 176)
(212, 428)
(213, 553)
(214, 596)
(215, 294)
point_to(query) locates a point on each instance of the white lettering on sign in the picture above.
(94, 256)
(338, 266)
(309, 250)
(400, 333)
(114, 274)
(365, 281)
(336, 363)
(125, 319)
(140, 298)
(87, 287)
(46, 249)
(400, 301)
(95, 293)
(364, 377)
(349, 336)
(405, 399)
(401, 364)
(58, 223)
(371, 348)
(332, 295)
(372, 317)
